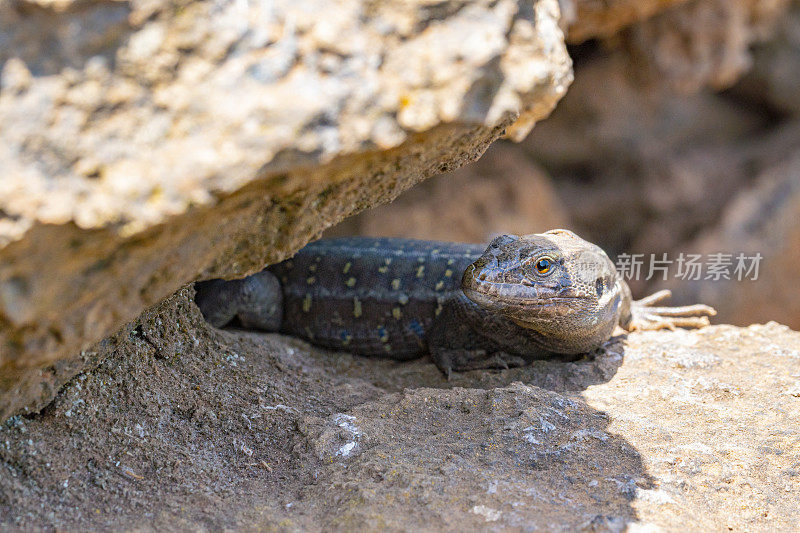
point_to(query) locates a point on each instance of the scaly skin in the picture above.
(520, 299)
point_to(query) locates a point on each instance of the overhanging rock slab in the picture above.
(149, 143)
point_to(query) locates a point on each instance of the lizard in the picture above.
(469, 306)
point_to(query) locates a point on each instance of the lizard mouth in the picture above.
(515, 303)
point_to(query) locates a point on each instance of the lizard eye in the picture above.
(544, 265)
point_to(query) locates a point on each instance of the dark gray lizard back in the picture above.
(372, 296)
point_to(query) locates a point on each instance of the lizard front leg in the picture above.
(458, 340)
(256, 300)
(463, 359)
(647, 316)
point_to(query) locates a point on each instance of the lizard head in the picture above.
(555, 283)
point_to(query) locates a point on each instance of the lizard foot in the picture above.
(463, 360)
(648, 317)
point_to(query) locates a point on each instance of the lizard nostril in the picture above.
(482, 277)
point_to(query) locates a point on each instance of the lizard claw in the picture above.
(647, 317)
(463, 360)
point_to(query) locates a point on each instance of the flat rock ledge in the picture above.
(184, 427)
(146, 144)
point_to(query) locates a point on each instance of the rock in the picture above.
(724, 184)
(503, 192)
(683, 44)
(632, 165)
(147, 144)
(587, 19)
(761, 222)
(773, 80)
(704, 42)
(181, 426)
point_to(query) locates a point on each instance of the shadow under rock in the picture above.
(184, 426)
(519, 447)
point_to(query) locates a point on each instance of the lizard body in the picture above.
(469, 306)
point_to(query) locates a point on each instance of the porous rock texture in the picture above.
(184, 427)
(149, 143)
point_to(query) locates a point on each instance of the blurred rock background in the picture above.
(679, 134)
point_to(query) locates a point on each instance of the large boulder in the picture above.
(146, 144)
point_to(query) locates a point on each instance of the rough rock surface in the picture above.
(182, 427)
(148, 143)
